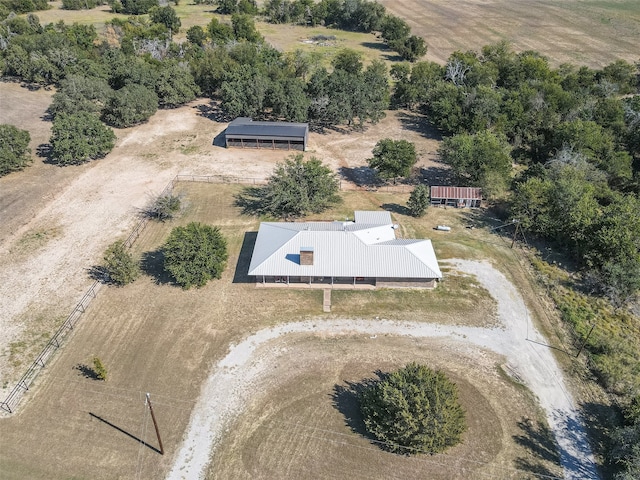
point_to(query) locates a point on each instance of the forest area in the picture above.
(556, 148)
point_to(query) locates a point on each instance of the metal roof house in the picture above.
(243, 132)
(456, 196)
(364, 252)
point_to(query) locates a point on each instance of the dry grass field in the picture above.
(155, 337)
(581, 32)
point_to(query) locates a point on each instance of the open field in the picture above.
(158, 338)
(581, 32)
(592, 32)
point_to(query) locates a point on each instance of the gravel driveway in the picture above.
(228, 387)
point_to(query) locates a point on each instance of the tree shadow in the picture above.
(395, 208)
(213, 112)
(345, 400)
(251, 201)
(539, 440)
(152, 263)
(99, 273)
(86, 371)
(361, 176)
(599, 420)
(419, 123)
(106, 422)
(241, 274)
(44, 151)
(437, 175)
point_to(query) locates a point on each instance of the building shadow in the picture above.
(219, 139)
(133, 437)
(241, 274)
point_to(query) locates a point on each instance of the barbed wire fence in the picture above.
(12, 400)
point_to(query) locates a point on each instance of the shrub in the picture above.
(164, 207)
(99, 369)
(120, 265)
(414, 409)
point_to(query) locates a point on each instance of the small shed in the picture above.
(243, 132)
(460, 197)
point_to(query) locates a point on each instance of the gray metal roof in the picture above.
(341, 249)
(243, 127)
(374, 217)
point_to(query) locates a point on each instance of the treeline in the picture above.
(577, 132)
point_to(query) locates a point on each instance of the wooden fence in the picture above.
(10, 403)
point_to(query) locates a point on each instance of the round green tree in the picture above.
(194, 254)
(412, 410)
(393, 158)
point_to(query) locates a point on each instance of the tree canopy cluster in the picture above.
(574, 131)
(413, 410)
(14, 149)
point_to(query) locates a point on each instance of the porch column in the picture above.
(263, 279)
(287, 279)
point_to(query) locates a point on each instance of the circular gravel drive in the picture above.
(229, 386)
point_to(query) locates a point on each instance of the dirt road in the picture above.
(528, 358)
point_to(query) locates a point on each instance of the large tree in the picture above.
(79, 137)
(131, 105)
(14, 149)
(479, 160)
(393, 158)
(195, 254)
(413, 410)
(296, 187)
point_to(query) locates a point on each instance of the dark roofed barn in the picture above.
(245, 133)
(456, 196)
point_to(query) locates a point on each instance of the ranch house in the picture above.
(363, 253)
(459, 197)
(243, 132)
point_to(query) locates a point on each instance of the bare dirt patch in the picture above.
(572, 31)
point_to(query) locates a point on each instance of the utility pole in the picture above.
(515, 234)
(155, 424)
(585, 340)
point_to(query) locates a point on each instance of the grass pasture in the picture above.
(154, 337)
